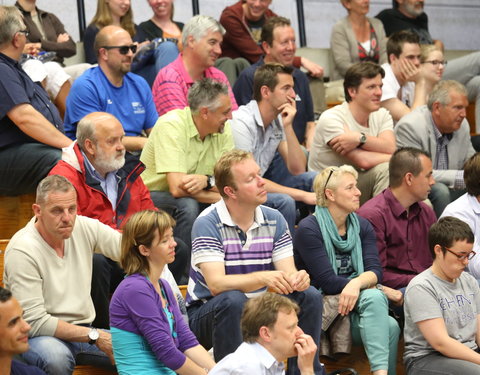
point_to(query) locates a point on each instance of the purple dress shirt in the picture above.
(402, 237)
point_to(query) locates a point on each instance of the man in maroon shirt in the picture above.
(401, 220)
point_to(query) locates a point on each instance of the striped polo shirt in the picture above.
(216, 238)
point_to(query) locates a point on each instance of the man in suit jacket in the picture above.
(440, 128)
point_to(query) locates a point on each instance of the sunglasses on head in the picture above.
(123, 49)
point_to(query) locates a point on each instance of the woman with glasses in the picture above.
(338, 250)
(432, 64)
(442, 306)
(357, 38)
(149, 334)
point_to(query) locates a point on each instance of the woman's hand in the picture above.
(348, 297)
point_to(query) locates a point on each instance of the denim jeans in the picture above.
(278, 172)
(163, 55)
(58, 357)
(217, 322)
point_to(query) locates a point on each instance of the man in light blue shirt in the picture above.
(271, 334)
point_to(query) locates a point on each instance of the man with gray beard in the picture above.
(109, 189)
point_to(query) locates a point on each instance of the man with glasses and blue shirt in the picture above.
(31, 129)
(111, 87)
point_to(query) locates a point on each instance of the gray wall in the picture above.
(456, 22)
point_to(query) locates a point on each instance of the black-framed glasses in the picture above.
(436, 62)
(328, 180)
(26, 32)
(122, 49)
(468, 256)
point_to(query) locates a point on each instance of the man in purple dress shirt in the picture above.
(401, 220)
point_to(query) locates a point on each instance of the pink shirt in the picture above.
(171, 86)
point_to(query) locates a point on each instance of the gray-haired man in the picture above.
(181, 152)
(201, 38)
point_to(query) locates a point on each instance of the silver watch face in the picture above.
(212, 180)
(93, 334)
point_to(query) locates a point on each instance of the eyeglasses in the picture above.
(468, 256)
(122, 49)
(436, 62)
(26, 32)
(328, 179)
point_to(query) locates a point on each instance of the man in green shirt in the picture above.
(181, 152)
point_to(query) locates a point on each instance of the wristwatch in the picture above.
(379, 287)
(363, 140)
(93, 336)
(210, 182)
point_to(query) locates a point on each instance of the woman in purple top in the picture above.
(149, 334)
(338, 249)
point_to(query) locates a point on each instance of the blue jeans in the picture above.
(23, 166)
(58, 357)
(217, 322)
(278, 172)
(163, 55)
(184, 211)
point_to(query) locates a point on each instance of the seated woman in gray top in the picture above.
(442, 306)
(357, 38)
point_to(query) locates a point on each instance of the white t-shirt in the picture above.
(391, 87)
(332, 123)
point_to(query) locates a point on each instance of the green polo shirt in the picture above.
(174, 145)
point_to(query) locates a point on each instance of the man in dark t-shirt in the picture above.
(31, 130)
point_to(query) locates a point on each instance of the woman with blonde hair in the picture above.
(149, 334)
(338, 250)
(432, 63)
(357, 38)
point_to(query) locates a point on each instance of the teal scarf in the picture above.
(332, 240)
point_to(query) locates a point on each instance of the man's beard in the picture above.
(109, 164)
(413, 10)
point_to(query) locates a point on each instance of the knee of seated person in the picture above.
(373, 296)
(311, 296)
(232, 300)
(165, 47)
(51, 355)
(439, 191)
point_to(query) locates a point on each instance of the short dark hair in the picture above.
(263, 312)
(267, 75)
(448, 230)
(357, 72)
(269, 27)
(5, 295)
(398, 39)
(405, 160)
(471, 175)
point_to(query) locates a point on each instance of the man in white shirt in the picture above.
(271, 335)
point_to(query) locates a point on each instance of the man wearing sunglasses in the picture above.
(111, 87)
(442, 306)
(467, 207)
(440, 128)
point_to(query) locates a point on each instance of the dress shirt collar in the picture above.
(226, 219)
(266, 358)
(397, 209)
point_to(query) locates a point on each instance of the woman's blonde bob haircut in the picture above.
(140, 230)
(332, 174)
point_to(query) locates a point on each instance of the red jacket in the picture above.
(238, 40)
(133, 195)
